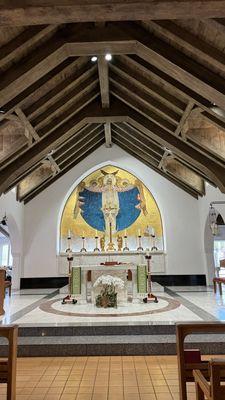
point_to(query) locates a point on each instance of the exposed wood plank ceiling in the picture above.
(161, 98)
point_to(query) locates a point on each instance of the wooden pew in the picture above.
(8, 367)
(185, 370)
(213, 390)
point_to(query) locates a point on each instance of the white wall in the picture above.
(180, 214)
(15, 221)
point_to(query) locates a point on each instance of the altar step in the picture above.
(107, 340)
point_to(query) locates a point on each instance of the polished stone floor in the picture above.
(43, 306)
(98, 378)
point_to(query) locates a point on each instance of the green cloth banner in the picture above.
(142, 279)
(76, 280)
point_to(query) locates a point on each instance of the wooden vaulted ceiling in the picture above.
(161, 98)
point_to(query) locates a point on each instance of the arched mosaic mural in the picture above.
(110, 200)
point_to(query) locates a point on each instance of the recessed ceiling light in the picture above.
(108, 57)
(94, 58)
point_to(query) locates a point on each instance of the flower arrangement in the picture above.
(108, 295)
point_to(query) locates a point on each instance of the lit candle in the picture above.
(83, 234)
(96, 233)
(139, 232)
(125, 233)
(69, 233)
(153, 232)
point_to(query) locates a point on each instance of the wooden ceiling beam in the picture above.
(179, 66)
(40, 149)
(58, 120)
(133, 146)
(27, 95)
(66, 101)
(81, 139)
(27, 124)
(108, 134)
(170, 30)
(146, 98)
(179, 129)
(132, 131)
(65, 43)
(56, 12)
(74, 73)
(25, 40)
(103, 73)
(179, 147)
(34, 66)
(134, 75)
(63, 148)
(81, 152)
(89, 141)
(62, 172)
(181, 89)
(128, 98)
(140, 141)
(75, 139)
(145, 161)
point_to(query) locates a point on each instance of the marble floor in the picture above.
(43, 307)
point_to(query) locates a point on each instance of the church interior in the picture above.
(112, 205)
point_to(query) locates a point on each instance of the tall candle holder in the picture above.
(150, 296)
(96, 249)
(140, 248)
(154, 247)
(126, 248)
(83, 249)
(69, 299)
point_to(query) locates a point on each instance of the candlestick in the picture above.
(126, 248)
(69, 299)
(154, 247)
(96, 243)
(83, 249)
(150, 296)
(140, 248)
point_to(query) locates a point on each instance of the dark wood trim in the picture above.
(60, 12)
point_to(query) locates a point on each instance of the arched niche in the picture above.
(210, 241)
(83, 214)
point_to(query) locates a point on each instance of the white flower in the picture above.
(109, 280)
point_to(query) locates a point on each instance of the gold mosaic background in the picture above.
(79, 227)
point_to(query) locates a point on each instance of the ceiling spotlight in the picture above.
(94, 58)
(108, 57)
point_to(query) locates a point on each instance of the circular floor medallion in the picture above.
(165, 304)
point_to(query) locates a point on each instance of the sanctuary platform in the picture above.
(48, 328)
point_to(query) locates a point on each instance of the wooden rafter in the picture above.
(56, 12)
(108, 135)
(146, 161)
(103, 73)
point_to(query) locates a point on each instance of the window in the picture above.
(219, 254)
(5, 250)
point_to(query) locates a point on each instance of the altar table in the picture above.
(107, 270)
